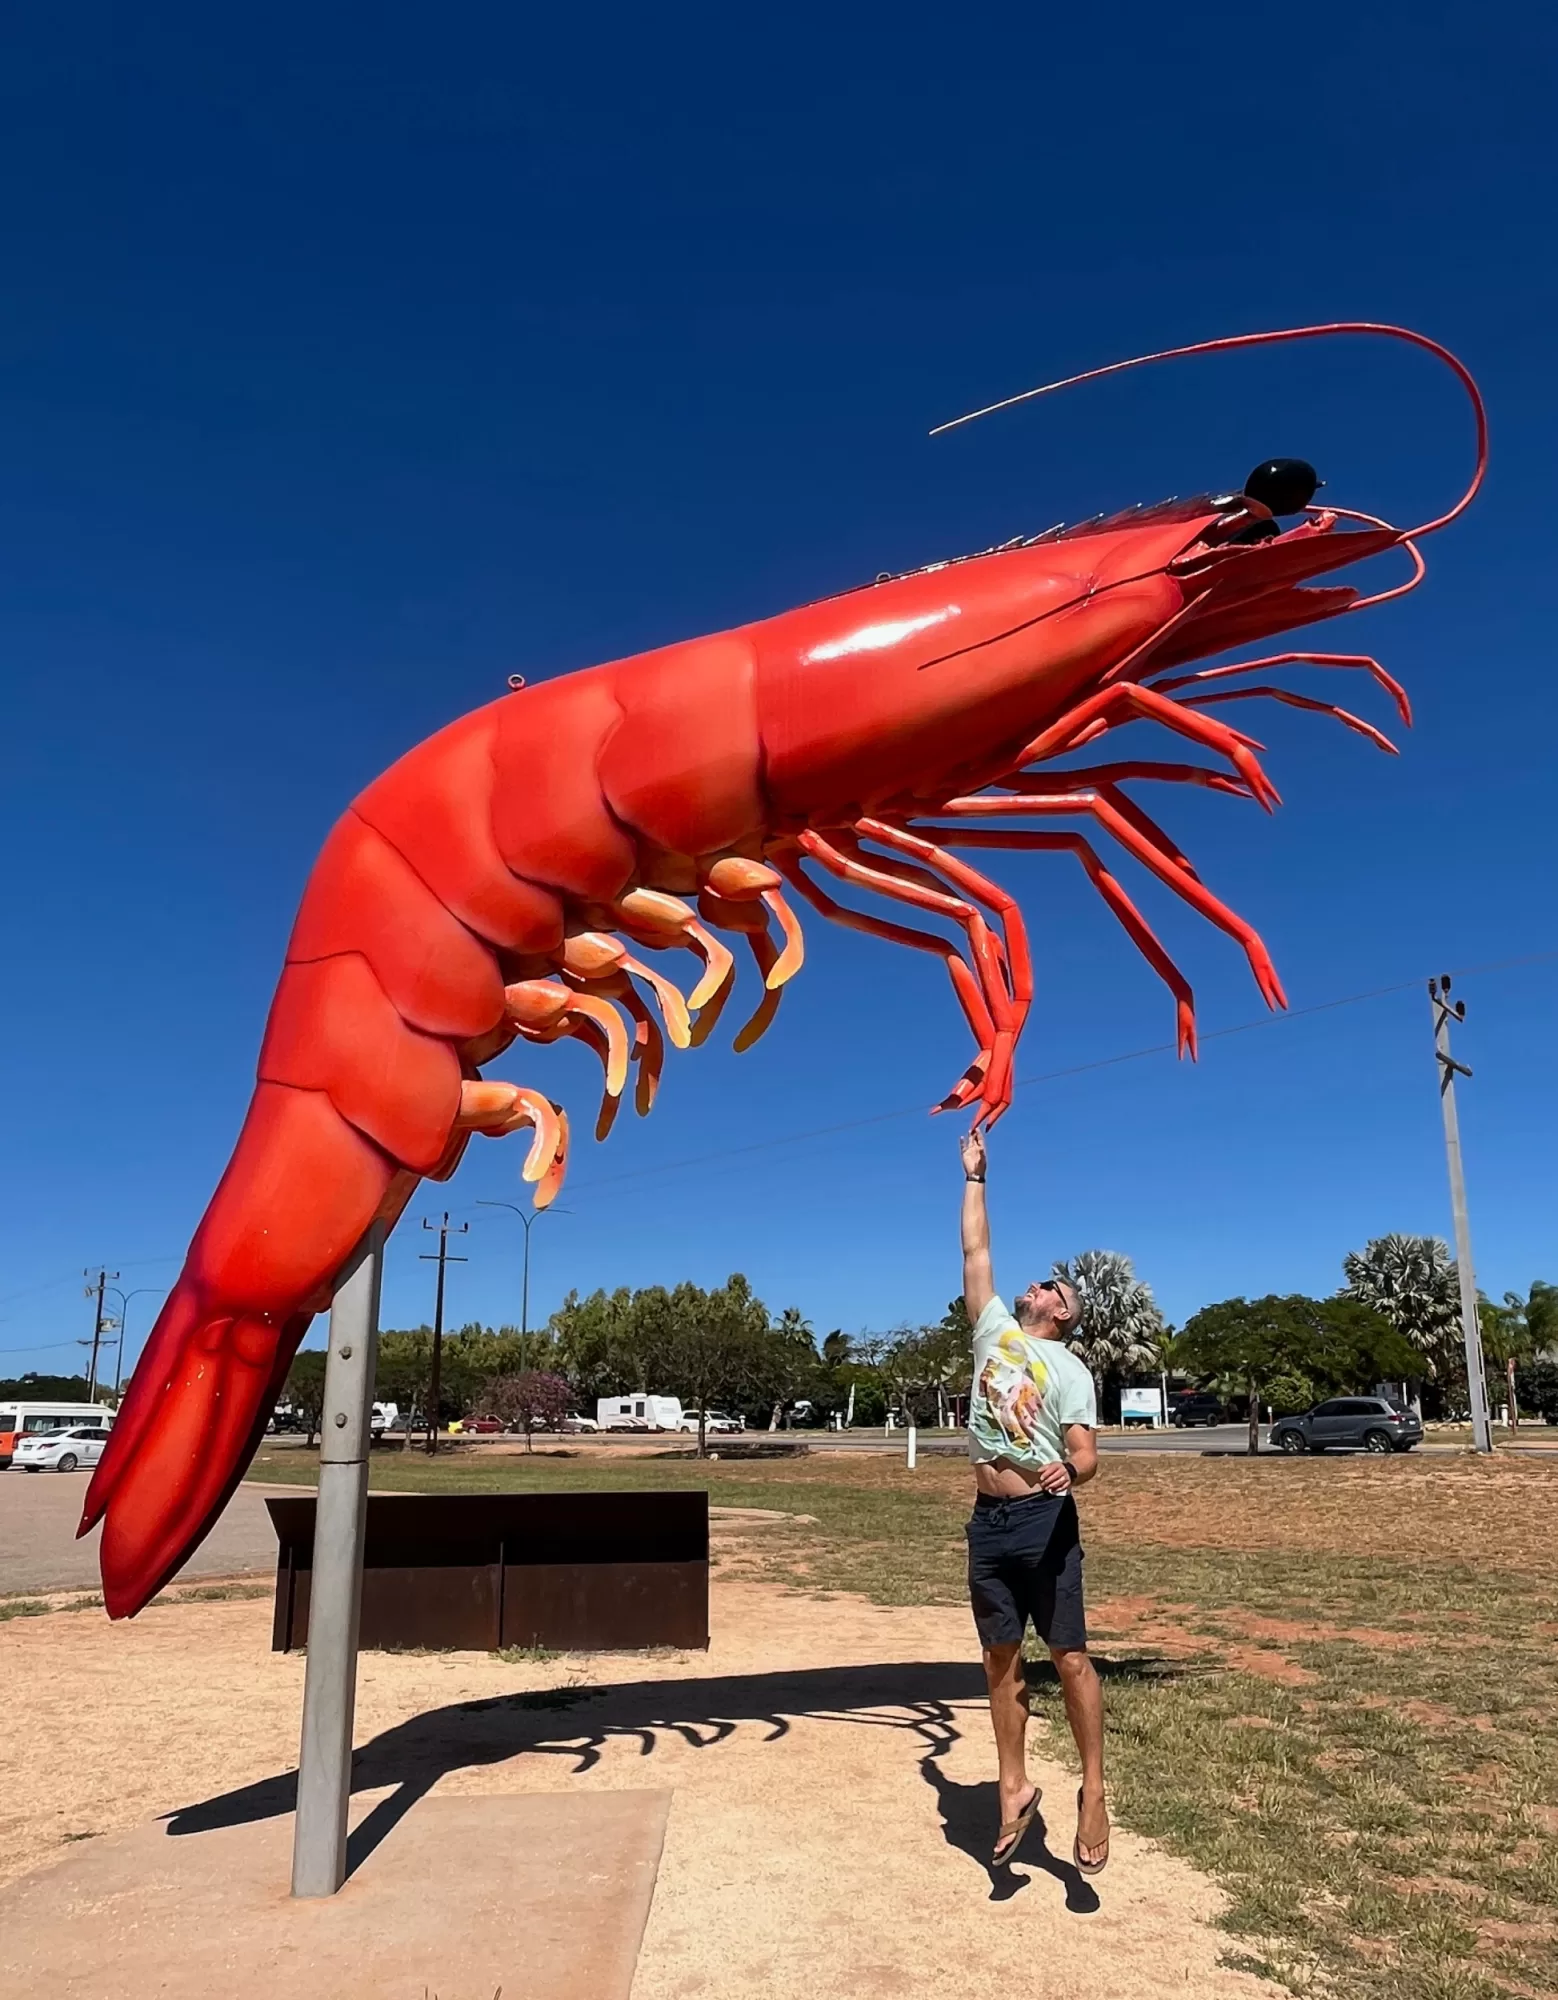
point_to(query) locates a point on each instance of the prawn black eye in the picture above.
(1285, 485)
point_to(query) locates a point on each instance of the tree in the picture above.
(597, 1342)
(1335, 1343)
(714, 1347)
(532, 1398)
(1541, 1311)
(1412, 1281)
(35, 1388)
(1517, 1333)
(788, 1362)
(305, 1387)
(1122, 1330)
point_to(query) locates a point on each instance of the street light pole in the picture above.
(527, 1216)
(1471, 1327)
(124, 1299)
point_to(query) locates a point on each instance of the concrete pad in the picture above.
(545, 1896)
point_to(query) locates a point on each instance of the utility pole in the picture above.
(103, 1278)
(528, 1216)
(440, 1257)
(1471, 1327)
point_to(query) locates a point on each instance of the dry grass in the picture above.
(1343, 1691)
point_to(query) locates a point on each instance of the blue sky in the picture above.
(343, 374)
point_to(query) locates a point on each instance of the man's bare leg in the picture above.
(1008, 1687)
(1084, 1699)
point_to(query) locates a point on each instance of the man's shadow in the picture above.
(970, 1814)
(578, 1722)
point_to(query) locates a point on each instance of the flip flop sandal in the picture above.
(1010, 1837)
(1087, 1867)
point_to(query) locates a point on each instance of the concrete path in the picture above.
(39, 1550)
(548, 1898)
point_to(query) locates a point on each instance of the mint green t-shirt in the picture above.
(1026, 1390)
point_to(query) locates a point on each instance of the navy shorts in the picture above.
(1025, 1561)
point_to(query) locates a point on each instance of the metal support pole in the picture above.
(1471, 1326)
(335, 1597)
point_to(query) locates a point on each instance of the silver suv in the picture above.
(1370, 1421)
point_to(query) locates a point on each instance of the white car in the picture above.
(715, 1421)
(578, 1426)
(60, 1451)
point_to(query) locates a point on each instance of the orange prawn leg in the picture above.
(652, 914)
(496, 1109)
(594, 956)
(1358, 662)
(648, 1042)
(1000, 1039)
(751, 921)
(1114, 895)
(1070, 784)
(1189, 887)
(1126, 702)
(1344, 716)
(542, 1009)
(1135, 767)
(964, 984)
(737, 880)
(981, 945)
(1019, 958)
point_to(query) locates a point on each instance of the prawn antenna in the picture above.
(1233, 340)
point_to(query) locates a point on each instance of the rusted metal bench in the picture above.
(574, 1572)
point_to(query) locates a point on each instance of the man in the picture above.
(1031, 1421)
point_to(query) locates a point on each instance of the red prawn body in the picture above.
(497, 882)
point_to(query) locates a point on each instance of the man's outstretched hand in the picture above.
(973, 1149)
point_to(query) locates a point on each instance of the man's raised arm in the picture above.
(978, 1281)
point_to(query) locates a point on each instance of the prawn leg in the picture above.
(1126, 702)
(1135, 925)
(1358, 662)
(1001, 1004)
(1187, 886)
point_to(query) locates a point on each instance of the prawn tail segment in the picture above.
(302, 1187)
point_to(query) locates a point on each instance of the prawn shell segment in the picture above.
(865, 697)
(682, 769)
(439, 807)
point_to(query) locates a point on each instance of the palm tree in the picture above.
(792, 1356)
(1122, 1329)
(1411, 1280)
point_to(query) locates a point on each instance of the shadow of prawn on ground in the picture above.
(915, 1699)
(971, 1813)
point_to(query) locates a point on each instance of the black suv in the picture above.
(1196, 1406)
(1370, 1421)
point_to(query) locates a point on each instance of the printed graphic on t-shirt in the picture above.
(1025, 1392)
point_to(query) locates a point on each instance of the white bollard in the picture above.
(913, 1438)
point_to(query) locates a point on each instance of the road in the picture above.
(39, 1550)
(1220, 1438)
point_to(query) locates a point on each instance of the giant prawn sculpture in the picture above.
(499, 883)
